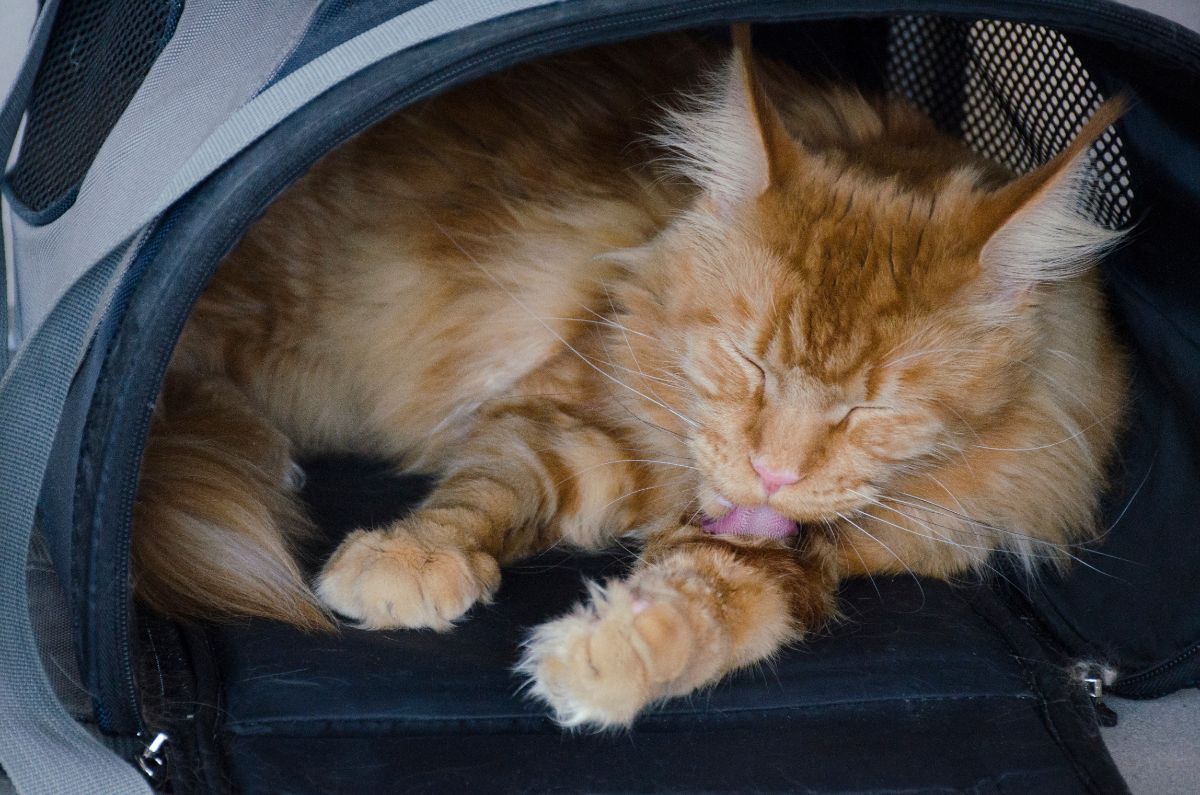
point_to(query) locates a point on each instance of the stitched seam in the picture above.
(236, 726)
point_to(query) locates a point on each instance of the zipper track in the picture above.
(1173, 42)
(1135, 686)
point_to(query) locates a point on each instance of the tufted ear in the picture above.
(1042, 230)
(731, 142)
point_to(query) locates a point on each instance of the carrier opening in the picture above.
(1015, 93)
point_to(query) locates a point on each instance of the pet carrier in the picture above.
(155, 131)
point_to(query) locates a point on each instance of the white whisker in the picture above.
(1028, 365)
(615, 500)
(1048, 445)
(899, 560)
(927, 525)
(1060, 549)
(1132, 497)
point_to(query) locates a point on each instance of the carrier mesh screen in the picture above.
(98, 54)
(1015, 93)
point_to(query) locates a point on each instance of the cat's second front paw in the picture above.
(600, 665)
(400, 580)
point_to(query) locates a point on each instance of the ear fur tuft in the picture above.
(1044, 231)
(730, 141)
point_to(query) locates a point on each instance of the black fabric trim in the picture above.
(368, 725)
(1066, 708)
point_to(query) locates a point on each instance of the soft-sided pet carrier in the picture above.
(155, 131)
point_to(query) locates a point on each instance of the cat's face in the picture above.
(825, 359)
(832, 328)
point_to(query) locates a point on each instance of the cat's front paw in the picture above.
(600, 665)
(396, 579)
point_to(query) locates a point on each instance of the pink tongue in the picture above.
(760, 521)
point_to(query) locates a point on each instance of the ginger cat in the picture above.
(783, 335)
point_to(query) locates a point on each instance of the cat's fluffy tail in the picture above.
(217, 522)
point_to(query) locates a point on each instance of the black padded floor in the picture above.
(923, 687)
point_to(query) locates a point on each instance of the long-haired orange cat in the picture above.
(835, 343)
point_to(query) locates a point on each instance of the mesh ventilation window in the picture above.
(1017, 94)
(98, 54)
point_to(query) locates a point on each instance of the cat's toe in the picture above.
(387, 581)
(602, 664)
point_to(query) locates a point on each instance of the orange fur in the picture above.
(508, 285)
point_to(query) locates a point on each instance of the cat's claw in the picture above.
(397, 580)
(600, 665)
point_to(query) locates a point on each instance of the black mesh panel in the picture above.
(1015, 93)
(98, 54)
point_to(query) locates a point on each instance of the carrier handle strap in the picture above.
(11, 114)
(43, 749)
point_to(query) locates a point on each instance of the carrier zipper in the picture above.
(152, 761)
(1093, 682)
(1089, 675)
(125, 647)
(1121, 19)
(1106, 20)
(1141, 685)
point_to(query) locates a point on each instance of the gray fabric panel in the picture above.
(1181, 12)
(42, 748)
(121, 191)
(1156, 744)
(222, 53)
(19, 16)
(16, 99)
(273, 105)
(51, 617)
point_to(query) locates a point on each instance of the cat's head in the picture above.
(828, 328)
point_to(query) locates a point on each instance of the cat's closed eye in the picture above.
(753, 362)
(862, 411)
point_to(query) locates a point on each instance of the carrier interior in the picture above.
(945, 678)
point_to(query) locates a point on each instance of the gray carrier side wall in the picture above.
(86, 506)
(240, 49)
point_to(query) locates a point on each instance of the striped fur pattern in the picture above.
(595, 327)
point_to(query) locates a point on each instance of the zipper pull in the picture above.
(1093, 675)
(153, 758)
(1105, 715)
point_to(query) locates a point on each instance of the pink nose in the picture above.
(773, 479)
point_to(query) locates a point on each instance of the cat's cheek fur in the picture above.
(887, 448)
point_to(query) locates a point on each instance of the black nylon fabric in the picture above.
(924, 687)
(1136, 604)
(1118, 614)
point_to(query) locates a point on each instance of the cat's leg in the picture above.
(695, 608)
(532, 473)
